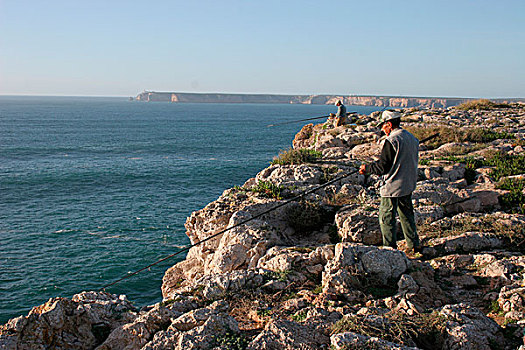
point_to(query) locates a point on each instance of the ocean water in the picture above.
(94, 188)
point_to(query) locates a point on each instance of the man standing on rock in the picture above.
(340, 118)
(398, 166)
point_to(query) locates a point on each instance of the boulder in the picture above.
(238, 248)
(204, 328)
(355, 263)
(297, 262)
(82, 322)
(291, 175)
(467, 328)
(506, 271)
(366, 151)
(357, 224)
(303, 139)
(435, 192)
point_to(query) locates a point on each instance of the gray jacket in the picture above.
(398, 164)
(341, 111)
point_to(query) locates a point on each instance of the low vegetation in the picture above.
(424, 329)
(297, 156)
(231, 340)
(481, 104)
(513, 235)
(268, 189)
(329, 173)
(449, 134)
(505, 165)
(514, 200)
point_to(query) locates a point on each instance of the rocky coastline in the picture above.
(352, 100)
(312, 274)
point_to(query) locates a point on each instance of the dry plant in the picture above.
(481, 104)
(425, 330)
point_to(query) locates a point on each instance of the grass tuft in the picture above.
(268, 189)
(425, 330)
(296, 156)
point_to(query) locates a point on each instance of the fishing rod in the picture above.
(299, 196)
(302, 120)
(314, 118)
(232, 227)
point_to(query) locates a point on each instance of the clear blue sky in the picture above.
(473, 48)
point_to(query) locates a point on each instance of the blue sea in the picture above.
(94, 188)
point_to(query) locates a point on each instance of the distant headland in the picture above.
(355, 100)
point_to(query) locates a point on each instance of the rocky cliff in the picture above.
(378, 101)
(312, 274)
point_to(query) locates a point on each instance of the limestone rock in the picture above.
(288, 335)
(214, 286)
(506, 271)
(511, 299)
(82, 322)
(355, 224)
(467, 328)
(303, 139)
(435, 193)
(136, 334)
(353, 261)
(352, 340)
(291, 175)
(428, 214)
(366, 151)
(467, 242)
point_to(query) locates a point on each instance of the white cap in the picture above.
(388, 115)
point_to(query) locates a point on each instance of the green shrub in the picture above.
(502, 164)
(231, 340)
(268, 189)
(514, 201)
(318, 289)
(482, 135)
(300, 315)
(280, 275)
(329, 173)
(296, 156)
(506, 165)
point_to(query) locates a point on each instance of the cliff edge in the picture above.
(312, 274)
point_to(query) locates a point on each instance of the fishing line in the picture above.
(242, 223)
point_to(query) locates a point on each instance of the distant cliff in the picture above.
(378, 101)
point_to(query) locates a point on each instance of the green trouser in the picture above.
(387, 220)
